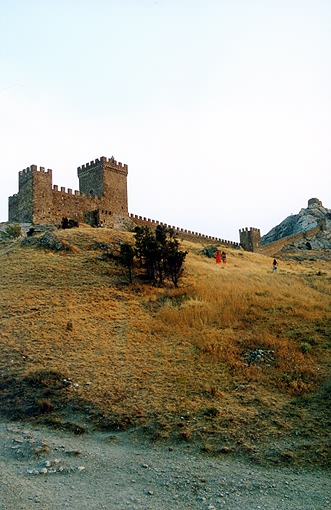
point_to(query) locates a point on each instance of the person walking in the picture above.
(274, 266)
(218, 257)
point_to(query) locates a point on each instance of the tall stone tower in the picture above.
(33, 201)
(107, 179)
(250, 239)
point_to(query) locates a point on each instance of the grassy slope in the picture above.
(177, 364)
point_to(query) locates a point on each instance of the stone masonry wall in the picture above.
(188, 235)
(13, 209)
(70, 205)
(276, 246)
(37, 201)
(115, 185)
(25, 204)
(41, 194)
(21, 204)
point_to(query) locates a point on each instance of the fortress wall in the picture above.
(73, 205)
(276, 246)
(105, 217)
(102, 196)
(13, 208)
(188, 235)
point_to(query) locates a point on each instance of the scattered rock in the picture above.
(259, 357)
(51, 242)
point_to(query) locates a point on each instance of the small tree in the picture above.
(162, 234)
(127, 253)
(175, 262)
(147, 250)
(159, 253)
(140, 239)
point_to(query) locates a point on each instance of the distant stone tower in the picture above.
(250, 239)
(107, 179)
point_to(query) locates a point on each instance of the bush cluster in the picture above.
(12, 231)
(210, 251)
(68, 223)
(156, 252)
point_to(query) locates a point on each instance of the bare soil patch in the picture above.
(45, 470)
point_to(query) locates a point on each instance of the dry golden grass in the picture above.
(179, 364)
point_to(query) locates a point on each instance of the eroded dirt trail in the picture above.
(49, 470)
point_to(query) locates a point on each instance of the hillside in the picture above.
(236, 361)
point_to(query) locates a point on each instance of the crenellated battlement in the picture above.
(75, 193)
(33, 168)
(68, 192)
(183, 233)
(250, 229)
(92, 164)
(250, 238)
(101, 164)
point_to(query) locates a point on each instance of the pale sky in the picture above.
(220, 108)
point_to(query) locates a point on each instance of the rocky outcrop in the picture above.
(318, 241)
(314, 216)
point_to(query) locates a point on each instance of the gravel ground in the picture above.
(43, 469)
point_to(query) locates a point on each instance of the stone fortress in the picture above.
(102, 194)
(102, 200)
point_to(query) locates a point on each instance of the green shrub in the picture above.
(127, 259)
(209, 251)
(158, 252)
(13, 231)
(305, 347)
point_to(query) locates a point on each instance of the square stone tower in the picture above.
(33, 202)
(250, 239)
(106, 179)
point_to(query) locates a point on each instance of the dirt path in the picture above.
(48, 470)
